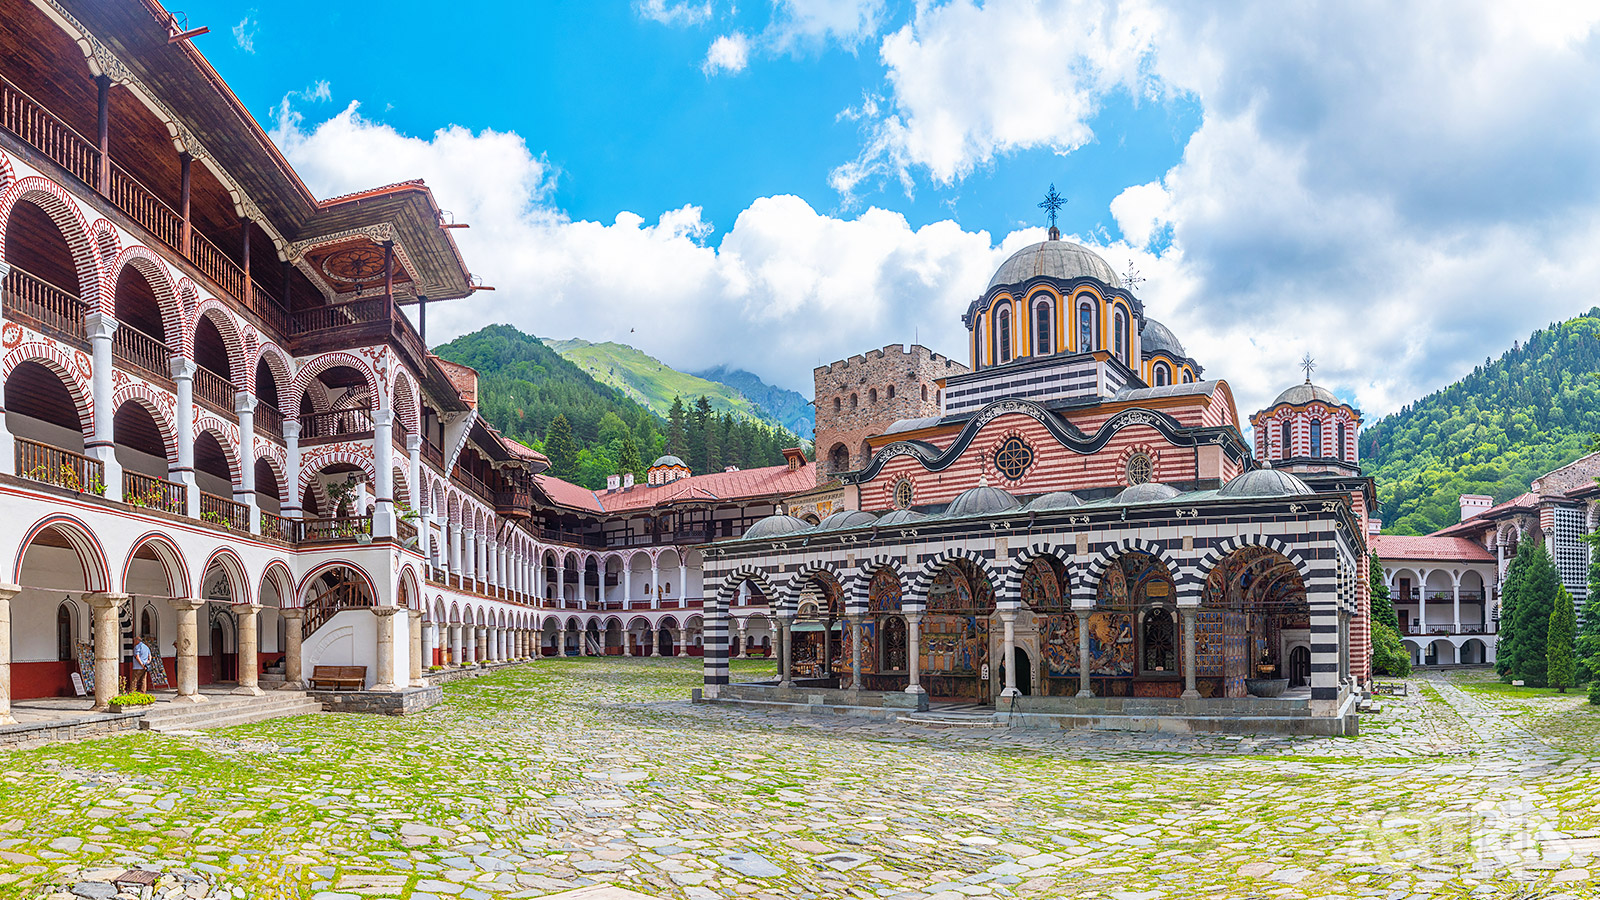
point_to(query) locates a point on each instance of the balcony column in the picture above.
(385, 678)
(468, 554)
(383, 464)
(185, 181)
(188, 661)
(104, 608)
(291, 468)
(683, 582)
(249, 618)
(244, 406)
(430, 642)
(655, 585)
(417, 644)
(1455, 602)
(561, 585)
(481, 644)
(1422, 605)
(102, 173)
(293, 666)
(183, 472)
(583, 586)
(8, 451)
(7, 591)
(414, 479)
(914, 651)
(453, 550)
(102, 444)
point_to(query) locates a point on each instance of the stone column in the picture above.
(1455, 602)
(107, 645)
(1190, 691)
(655, 585)
(680, 649)
(854, 624)
(1085, 689)
(183, 422)
(244, 406)
(248, 615)
(430, 640)
(7, 591)
(1422, 607)
(561, 586)
(561, 640)
(583, 585)
(414, 483)
(291, 468)
(744, 639)
(627, 584)
(458, 644)
(785, 651)
(1008, 618)
(914, 651)
(188, 662)
(102, 444)
(416, 649)
(293, 664)
(481, 644)
(384, 679)
(683, 582)
(383, 468)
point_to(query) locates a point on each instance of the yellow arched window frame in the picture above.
(1096, 322)
(1109, 325)
(1051, 300)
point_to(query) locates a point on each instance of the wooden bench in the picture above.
(350, 678)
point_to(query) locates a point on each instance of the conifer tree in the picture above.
(1561, 664)
(678, 430)
(1535, 600)
(560, 448)
(1587, 643)
(628, 459)
(700, 438)
(1510, 591)
(1382, 605)
(1389, 656)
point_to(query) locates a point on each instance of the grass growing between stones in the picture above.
(568, 771)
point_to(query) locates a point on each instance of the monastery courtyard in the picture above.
(558, 774)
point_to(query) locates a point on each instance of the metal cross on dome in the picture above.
(1308, 364)
(1052, 203)
(1131, 279)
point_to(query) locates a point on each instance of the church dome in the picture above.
(1061, 260)
(669, 461)
(1301, 394)
(1056, 500)
(1154, 337)
(902, 517)
(846, 518)
(981, 501)
(775, 526)
(1149, 492)
(1265, 483)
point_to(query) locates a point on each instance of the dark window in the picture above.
(1085, 328)
(1288, 440)
(1002, 335)
(1160, 645)
(1013, 458)
(1042, 344)
(1339, 451)
(1122, 336)
(1163, 375)
(1316, 438)
(64, 633)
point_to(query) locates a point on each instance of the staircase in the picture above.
(335, 598)
(974, 716)
(272, 678)
(222, 710)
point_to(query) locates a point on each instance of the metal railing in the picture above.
(136, 348)
(152, 492)
(143, 206)
(27, 118)
(63, 468)
(29, 296)
(224, 512)
(338, 423)
(213, 388)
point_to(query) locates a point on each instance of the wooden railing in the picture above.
(215, 264)
(338, 528)
(324, 606)
(63, 468)
(336, 424)
(513, 502)
(263, 304)
(143, 206)
(29, 296)
(474, 484)
(213, 388)
(573, 538)
(274, 526)
(133, 346)
(26, 118)
(224, 512)
(269, 420)
(404, 530)
(151, 492)
(341, 315)
(433, 454)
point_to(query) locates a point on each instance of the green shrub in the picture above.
(1389, 656)
(133, 698)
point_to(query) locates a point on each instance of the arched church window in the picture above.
(872, 395)
(1085, 328)
(1140, 469)
(1160, 644)
(1339, 451)
(837, 404)
(1288, 440)
(1042, 344)
(1188, 377)
(855, 401)
(1002, 335)
(64, 640)
(839, 458)
(891, 392)
(983, 341)
(1163, 375)
(1316, 438)
(924, 393)
(1122, 336)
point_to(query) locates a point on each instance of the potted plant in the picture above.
(131, 700)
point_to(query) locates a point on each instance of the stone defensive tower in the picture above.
(860, 397)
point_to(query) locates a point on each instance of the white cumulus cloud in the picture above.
(728, 53)
(682, 12)
(244, 33)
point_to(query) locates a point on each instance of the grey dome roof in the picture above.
(901, 517)
(1154, 336)
(1264, 483)
(1056, 500)
(775, 526)
(1302, 394)
(669, 461)
(1149, 492)
(1062, 260)
(981, 501)
(846, 518)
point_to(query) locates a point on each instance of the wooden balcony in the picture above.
(514, 504)
(26, 118)
(211, 388)
(343, 423)
(224, 512)
(335, 529)
(140, 350)
(31, 299)
(151, 492)
(433, 454)
(269, 420)
(274, 526)
(143, 206)
(63, 468)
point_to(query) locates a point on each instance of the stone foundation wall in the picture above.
(822, 701)
(445, 676)
(21, 737)
(385, 703)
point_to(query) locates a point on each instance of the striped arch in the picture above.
(320, 457)
(227, 435)
(231, 566)
(96, 571)
(1012, 587)
(797, 581)
(401, 487)
(410, 589)
(159, 277)
(7, 175)
(159, 404)
(923, 579)
(1223, 550)
(171, 559)
(453, 508)
(70, 365)
(64, 211)
(405, 399)
(107, 242)
(278, 574)
(856, 599)
(232, 340)
(276, 459)
(1085, 589)
(282, 372)
(323, 363)
(360, 573)
(728, 585)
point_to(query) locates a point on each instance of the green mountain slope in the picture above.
(652, 383)
(789, 408)
(1513, 419)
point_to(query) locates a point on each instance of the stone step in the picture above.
(244, 717)
(953, 720)
(219, 708)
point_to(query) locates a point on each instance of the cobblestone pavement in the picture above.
(564, 773)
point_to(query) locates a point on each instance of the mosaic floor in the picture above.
(565, 774)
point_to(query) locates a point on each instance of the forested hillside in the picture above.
(1512, 419)
(788, 408)
(591, 430)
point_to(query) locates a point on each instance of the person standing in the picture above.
(141, 666)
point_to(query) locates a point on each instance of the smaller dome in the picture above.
(981, 501)
(1056, 500)
(1301, 394)
(1154, 337)
(901, 517)
(1265, 483)
(847, 518)
(669, 461)
(775, 526)
(1149, 492)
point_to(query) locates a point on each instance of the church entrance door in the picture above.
(1299, 667)
(1024, 671)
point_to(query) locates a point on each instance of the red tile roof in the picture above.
(1481, 521)
(1432, 546)
(745, 484)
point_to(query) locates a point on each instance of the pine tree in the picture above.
(628, 459)
(1587, 643)
(678, 430)
(1536, 599)
(700, 437)
(559, 446)
(1561, 664)
(1382, 606)
(1510, 591)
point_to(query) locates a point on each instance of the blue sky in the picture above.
(776, 184)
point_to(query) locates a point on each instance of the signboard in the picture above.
(77, 685)
(86, 665)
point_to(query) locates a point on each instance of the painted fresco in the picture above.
(955, 591)
(1208, 643)
(1041, 589)
(1236, 653)
(1255, 576)
(1111, 648)
(869, 649)
(1134, 580)
(883, 592)
(955, 645)
(1058, 641)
